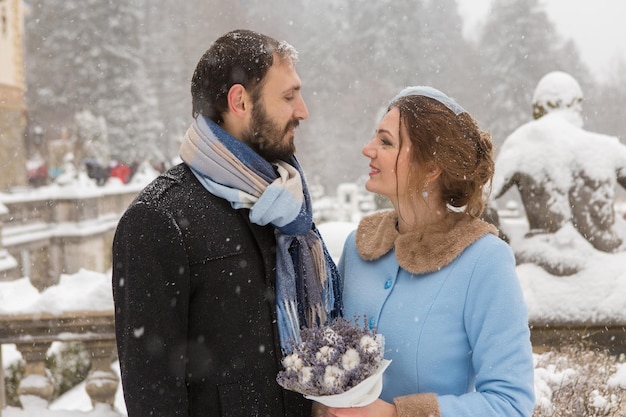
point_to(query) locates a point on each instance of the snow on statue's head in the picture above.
(557, 90)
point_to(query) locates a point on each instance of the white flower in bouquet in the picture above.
(332, 360)
(333, 377)
(324, 354)
(305, 375)
(351, 359)
(293, 362)
(369, 344)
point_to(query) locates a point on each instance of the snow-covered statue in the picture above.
(566, 178)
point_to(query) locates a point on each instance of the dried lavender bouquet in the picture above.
(340, 364)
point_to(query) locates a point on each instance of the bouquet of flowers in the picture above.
(338, 365)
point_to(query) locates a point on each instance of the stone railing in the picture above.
(609, 336)
(33, 335)
(54, 231)
(44, 234)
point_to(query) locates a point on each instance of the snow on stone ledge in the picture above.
(83, 291)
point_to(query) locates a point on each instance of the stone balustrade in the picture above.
(33, 335)
(53, 231)
(45, 233)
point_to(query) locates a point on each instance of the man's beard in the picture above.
(266, 137)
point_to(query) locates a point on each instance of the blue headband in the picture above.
(431, 93)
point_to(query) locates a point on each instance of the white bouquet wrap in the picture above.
(364, 393)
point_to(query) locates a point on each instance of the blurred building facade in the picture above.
(12, 95)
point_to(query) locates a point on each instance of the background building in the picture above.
(12, 102)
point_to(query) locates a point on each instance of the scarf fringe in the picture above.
(292, 330)
(317, 315)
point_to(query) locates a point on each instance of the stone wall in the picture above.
(12, 102)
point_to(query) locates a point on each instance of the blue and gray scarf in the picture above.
(276, 193)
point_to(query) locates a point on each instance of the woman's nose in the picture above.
(368, 150)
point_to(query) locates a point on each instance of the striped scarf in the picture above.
(307, 280)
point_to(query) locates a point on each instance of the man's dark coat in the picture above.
(193, 283)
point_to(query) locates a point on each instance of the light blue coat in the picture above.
(460, 332)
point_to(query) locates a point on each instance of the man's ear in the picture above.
(238, 100)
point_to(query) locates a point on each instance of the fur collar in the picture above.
(419, 252)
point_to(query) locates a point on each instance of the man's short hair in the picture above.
(238, 57)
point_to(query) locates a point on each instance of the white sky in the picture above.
(597, 26)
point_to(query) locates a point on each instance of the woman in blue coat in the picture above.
(432, 277)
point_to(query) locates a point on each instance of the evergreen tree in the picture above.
(334, 82)
(176, 35)
(87, 55)
(132, 63)
(353, 57)
(519, 45)
(452, 63)
(603, 106)
(91, 138)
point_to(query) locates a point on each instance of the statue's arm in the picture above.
(621, 167)
(501, 185)
(506, 170)
(621, 177)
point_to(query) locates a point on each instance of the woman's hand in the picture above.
(378, 408)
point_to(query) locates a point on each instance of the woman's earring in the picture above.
(425, 193)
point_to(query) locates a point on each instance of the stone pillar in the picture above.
(2, 397)
(35, 381)
(102, 382)
(7, 262)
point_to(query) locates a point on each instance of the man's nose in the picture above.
(300, 111)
